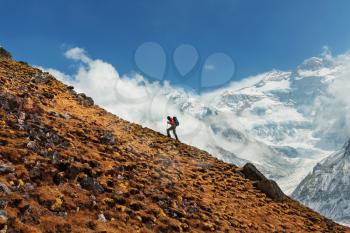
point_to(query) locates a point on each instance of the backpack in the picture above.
(177, 123)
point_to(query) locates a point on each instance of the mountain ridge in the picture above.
(326, 189)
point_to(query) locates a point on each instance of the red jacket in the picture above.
(172, 122)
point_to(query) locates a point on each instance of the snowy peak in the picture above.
(313, 63)
(316, 67)
(277, 75)
(347, 149)
(327, 188)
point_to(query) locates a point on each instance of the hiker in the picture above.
(173, 122)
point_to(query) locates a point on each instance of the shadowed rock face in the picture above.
(252, 173)
(269, 187)
(69, 166)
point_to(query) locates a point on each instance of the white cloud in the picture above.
(333, 110)
(77, 54)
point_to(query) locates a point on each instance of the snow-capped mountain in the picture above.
(272, 121)
(327, 188)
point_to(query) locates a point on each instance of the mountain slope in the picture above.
(327, 188)
(70, 166)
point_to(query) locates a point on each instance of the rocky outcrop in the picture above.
(85, 100)
(269, 187)
(4, 54)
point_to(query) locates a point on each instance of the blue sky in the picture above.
(257, 35)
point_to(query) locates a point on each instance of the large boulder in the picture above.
(269, 187)
(252, 173)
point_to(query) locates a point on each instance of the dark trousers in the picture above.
(172, 128)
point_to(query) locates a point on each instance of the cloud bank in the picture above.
(332, 111)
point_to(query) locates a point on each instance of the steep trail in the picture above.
(67, 165)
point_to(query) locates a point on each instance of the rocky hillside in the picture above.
(67, 165)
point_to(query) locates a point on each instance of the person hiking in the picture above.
(173, 122)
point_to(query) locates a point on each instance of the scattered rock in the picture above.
(9, 102)
(21, 119)
(89, 183)
(5, 169)
(37, 173)
(32, 145)
(56, 114)
(4, 188)
(208, 226)
(3, 214)
(29, 186)
(136, 206)
(3, 221)
(85, 100)
(3, 142)
(55, 157)
(48, 95)
(91, 225)
(64, 228)
(102, 218)
(66, 116)
(3, 204)
(108, 139)
(93, 200)
(41, 77)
